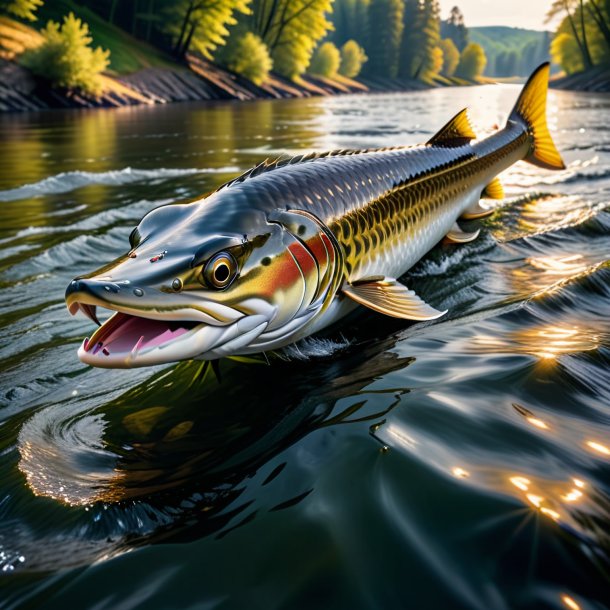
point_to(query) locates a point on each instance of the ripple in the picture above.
(69, 181)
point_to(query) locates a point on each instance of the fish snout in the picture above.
(101, 292)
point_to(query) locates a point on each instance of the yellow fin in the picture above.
(457, 132)
(477, 211)
(387, 296)
(494, 190)
(530, 110)
(457, 236)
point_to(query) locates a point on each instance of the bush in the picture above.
(24, 9)
(472, 61)
(246, 54)
(326, 60)
(451, 56)
(353, 58)
(65, 57)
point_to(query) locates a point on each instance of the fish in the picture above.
(295, 244)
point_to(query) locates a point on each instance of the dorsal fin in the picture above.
(269, 165)
(457, 132)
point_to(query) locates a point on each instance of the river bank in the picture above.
(198, 80)
(596, 79)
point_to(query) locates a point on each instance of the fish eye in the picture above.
(220, 270)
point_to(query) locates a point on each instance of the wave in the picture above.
(70, 181)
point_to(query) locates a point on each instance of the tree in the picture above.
(353, 58)
(291, 30)
(201, 24)
(580, 38)
(566, 52)
(350, 21)
(24, 9)
(326, 60)
(246, 54)
(386, 17)
(601, 20)
(65, 57)
(411, 39)
(451, 56)
(472, 62)
(455, 29)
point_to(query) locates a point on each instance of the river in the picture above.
(463, 463)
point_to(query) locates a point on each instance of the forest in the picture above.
(407, 39)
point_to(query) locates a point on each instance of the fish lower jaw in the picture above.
(126, 341)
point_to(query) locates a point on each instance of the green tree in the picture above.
(326, 60)
(353, 58)
(24, 9)
(601, 16)
(451, 56)
(411, 39)
(246, 54)
(472, 61)
(568, 44)
(418, 58)
(455, 29)
(291, 30)
(384, 47)
(201, 25)
(580, 36)
(65, 57)
(566, 52)
(350, 21)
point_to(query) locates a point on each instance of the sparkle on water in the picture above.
(459, 464)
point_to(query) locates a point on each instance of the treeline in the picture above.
(512, 51)
(582, 40)
(407, 39)
(379, 38)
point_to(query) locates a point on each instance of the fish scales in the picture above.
(293, 245)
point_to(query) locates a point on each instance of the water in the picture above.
(459, 464)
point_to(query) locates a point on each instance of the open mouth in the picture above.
(126, 334)
(126, 340)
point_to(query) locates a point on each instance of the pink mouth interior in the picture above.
(123, 333)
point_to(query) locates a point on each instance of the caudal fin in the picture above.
(530, 110)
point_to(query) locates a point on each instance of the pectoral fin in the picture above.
(387, 296)
(494, 190)
(457, 236)
(476, 211)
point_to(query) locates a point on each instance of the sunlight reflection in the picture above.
(460, 473)
(599, 447)
(547, 343)
(520, 482)
(569, 602)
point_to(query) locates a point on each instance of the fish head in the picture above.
(190, 288)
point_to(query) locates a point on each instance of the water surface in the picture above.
(458, 464)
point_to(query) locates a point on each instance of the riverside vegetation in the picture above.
(278, 48)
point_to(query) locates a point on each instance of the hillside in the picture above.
(511, 51)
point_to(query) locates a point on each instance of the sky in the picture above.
(516, 13)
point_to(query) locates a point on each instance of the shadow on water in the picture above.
(170, 459)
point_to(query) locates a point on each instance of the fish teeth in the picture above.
(90, 312)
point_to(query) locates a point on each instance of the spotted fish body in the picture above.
(292, 245)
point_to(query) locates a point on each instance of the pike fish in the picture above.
(293, 245)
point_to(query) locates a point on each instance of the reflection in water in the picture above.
(197, 459)
(547, 342)
(489, 482)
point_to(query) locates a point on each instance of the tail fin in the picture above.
(530, 110)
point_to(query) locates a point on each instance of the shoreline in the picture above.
(197, 80)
